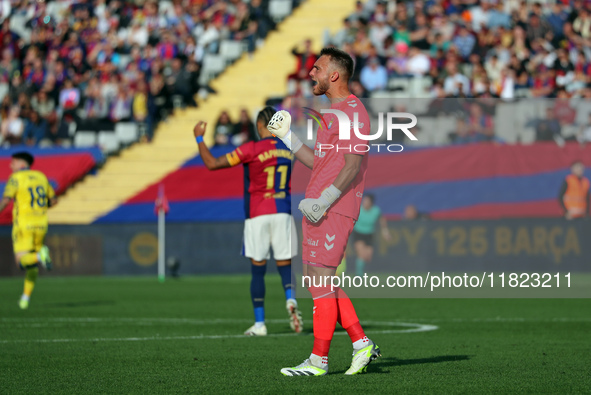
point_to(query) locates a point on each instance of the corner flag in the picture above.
(161, 201)
(161, 208)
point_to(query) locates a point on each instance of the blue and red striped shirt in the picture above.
(267, 176)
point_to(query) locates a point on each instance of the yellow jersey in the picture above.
(30, 191)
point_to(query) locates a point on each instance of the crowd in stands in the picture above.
(473, 48)
(481, 49)
(87, 64)
(227, 132)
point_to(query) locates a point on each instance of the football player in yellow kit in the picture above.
(32, 196)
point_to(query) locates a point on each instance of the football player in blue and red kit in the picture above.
(267, 205)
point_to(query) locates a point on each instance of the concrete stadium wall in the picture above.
(516, 245)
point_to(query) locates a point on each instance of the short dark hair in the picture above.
(576, 162)
(371, 197)
(24, 156)
(265, 115)
(341, 58)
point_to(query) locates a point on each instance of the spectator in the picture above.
(69, 99)
(304, 62)
(436, 92)
(420, 33)
(208, 40)
(480, 16)
(362, 43)
(397, 65)
(241, 21)
(346, 34)
(563, 68)
(544, 83)
(461, 134)
(167, 48)
(464, 41)
(160, 104)
(358, 90)
(438, 43)
(35, 130)
(244, 129)
(259, 13)
(441, 25)
(578, 83)
(479, 80)
(557, 18)
(378, 32)
(548, 129)
(140, 102)
(179, 82)
(497, 17)
(8, 65)
(58, 132)
(418, 63)
(562, 109)
(506, 86)
(120, 110)
(480, 125)
(582, 24)
(374, 76)
(455, 84)
(536, 27)
(24, 104)
(136, 34)
(42, 104)
(223, 129)
(5, 107)
(143, 109)
(359, 13)
(17, 87)
(11, 129)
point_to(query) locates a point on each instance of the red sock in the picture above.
(325, 319)
(348, 317)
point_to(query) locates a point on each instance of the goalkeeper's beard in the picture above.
(320, 87)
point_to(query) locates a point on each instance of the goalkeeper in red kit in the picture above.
(331, 208)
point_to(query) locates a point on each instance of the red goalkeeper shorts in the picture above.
(324, 242)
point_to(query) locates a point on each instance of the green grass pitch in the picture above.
(135, 335)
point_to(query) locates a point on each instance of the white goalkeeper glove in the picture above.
(279, 126)
(314, 209)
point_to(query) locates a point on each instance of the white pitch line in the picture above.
(503, 319)
(215, 321)
(411, 328)
(84, 321)
(111, 320)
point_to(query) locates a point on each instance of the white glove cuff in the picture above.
(292, 141)
(331, 194)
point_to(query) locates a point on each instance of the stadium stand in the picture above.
(496, 48)
(93, 64)
(85, 64)
(483, 48)
(140, 166)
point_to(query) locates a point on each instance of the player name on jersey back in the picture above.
(267, 176)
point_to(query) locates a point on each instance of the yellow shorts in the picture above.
(28, 238)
